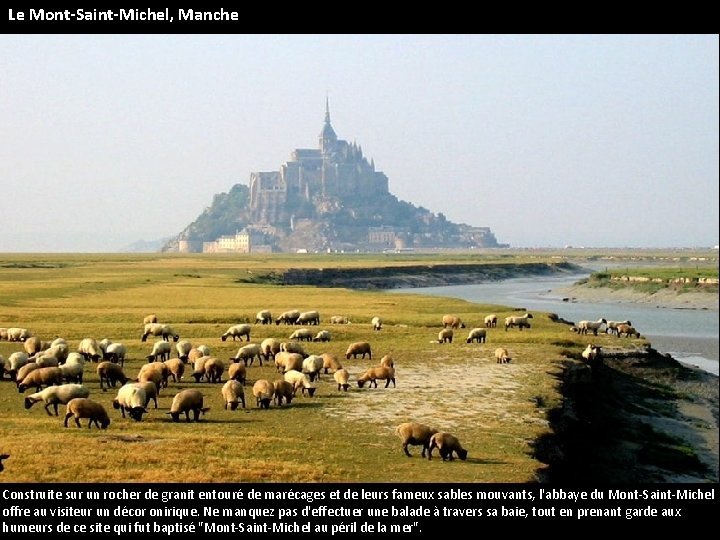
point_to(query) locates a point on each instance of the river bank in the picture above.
(665, 298)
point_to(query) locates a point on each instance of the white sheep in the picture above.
(214, 368)
(73, 368)
(237, 331)
(55, 395)
(416, 434)
(593, 326)
(132, 399)
(18, 334)
(104, 343)
(376, 323)
(502, 356)
(452, 321)
(300, 381)
(285, 361)
(204, 349)
(151, 391)
(237, 372)
(339, 319)
(14, 362)
(269, 348)
(33, 345)
(322, 335)
(358, 347)
(86, 408)
(490, 321)
(233, 394)
(378, 372)
(264, 391)
(342, 378)
(158, 329)
(477, 334)
(160, 351)
(283, 390)
(185, 401)
(309, 317)
(445, 335)
(591, 353)
(263, 317)
(611, 326)
(116, 353)
(149, 319)
(90, 349)
(446, 445)
(293, 347)
(312, 365)
(183, 348)
(248, 353)
(288, 317)
(521, 321)
(302, 334)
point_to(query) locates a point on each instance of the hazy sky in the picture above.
(548, 140)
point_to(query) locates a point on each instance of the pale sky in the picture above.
(596, 141)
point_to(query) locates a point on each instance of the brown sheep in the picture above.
(445, 335)
(237, 372)
(176, 366)
(330, 361)
(416, 434)
(387, 361)
(283, 390)
(627, 330)
(41, 377)
(264, 391)
(233, 394)
(502, 356)
(446, 445)
(342, 377)
(185, 401)
(359, 347)
(378, 372)
(156, 372)
(452, 321)
(86, 408)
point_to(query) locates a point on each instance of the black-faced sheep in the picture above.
(151, 391)
(269, 348)
(593, 326)
(376, 323)
(359, 347)
(416, 434)
(452, 321)
(116, 353)
(233, 394)
(283, 390)
(490, 321)
(378, 372)
(322, 335)
(41, 377)
(176, 367)
(312, 366)
(90, 349)
(611, 326)
(300, 381)
(263, 317)
(446, 445)
(288, 317)
(330, 362)
(156, 372)
(521, 321)
(309, 317)
(302, 334)
(445, 335)
(477, 334)
(237, 331)
(132, 399)
(214, 368)
(502, 356)
(110, 374)
(591, 353)
(627, 330)
(237, 372)
(264, 391)
(158, 329)
(186, 401)
(248, 353)
(86, 408)
(56, 395)
(74, 368)
(183, 348)
(160, 352)
(342, 378)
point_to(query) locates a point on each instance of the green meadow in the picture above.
(498, 411)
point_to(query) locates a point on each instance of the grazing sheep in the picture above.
(263, 317)
(293, 347)
(521, 321)
(86, 408)
(55, 395)
(322, 335)
(375, 373)
(40, 377)
(591, 353)
(204, 349)
(309, 317)
(416, 434)
(269, 348)
(452, 321)
(285, 361)
(115, 352)
(18, 334)
(104, 344)
(446, 445)
(237, 331)
(237, 372)
(387, 361)
(110, 374)
(339, 319)
(155, 372)
(445, 335)
(283, 390)
(359, 347)
(132, 399)
(185, 401)
(376, 323)
(288, 317)
(502, 356)
(90, 349)
(233, 394)
(199, 368)
(45, 361)
(477, 334)
(248, 353)
(73, 369)
(594, 326)
(157, 329)
(194, 354)
(627, 330)
(342, 378)
(490, 321)
(60, 351)
(330, 361)
(151, 391)
(214, 368)
(149, 319)
(300, 381)
(611, 326)
(14, 362)
(312, 365)
(160, 352)
(176, 367)
(33, 345)
(24, 371)
(183, 348)
(264, 391)
(302, 334)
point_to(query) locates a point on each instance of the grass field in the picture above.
(497, 410)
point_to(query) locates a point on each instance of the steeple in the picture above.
(327, 110)
(328, 138)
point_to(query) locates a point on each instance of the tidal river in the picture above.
(689, 335)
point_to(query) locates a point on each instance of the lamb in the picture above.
(285, 361)
(342, 378)
(237, 331)
(378, 372)
(322, 335)
(263, 317)
(302, 334)
(54, 395)
(416, 434)
(376, 323)
(477, 334)
(309, 317)
(446, 445)
(300, 381)
(248, 353)
(183, 349)
(312, 365)
(387, 361)
(628, 330)
(155, 372)
(40, 377)
(116, 353)
(490, 321)
(519, 321)
(73, 368)
(452, 321)
(283, 390)
(330, 361)
(236, 372)
(445, 335)
(339, 319)
(86, 408)
(90, 349)
(158, 329)
(176, 367)
(132, 399)
(594, 326)
(359, 347)
(502, 356)
(264, 391)
(591, 353)
(149, 319)
(160, 351)
(185, 401)
(269, 348)
(611, 326)
(110, 374)
(288, 317)
(233, 394)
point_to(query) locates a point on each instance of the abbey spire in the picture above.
(328, 138)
